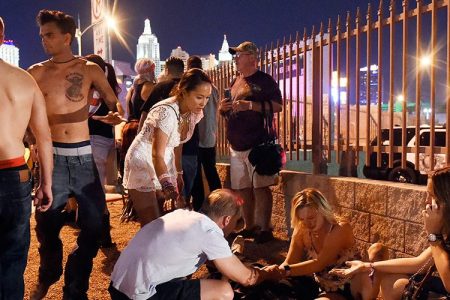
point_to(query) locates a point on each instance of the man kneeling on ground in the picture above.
(163, 252)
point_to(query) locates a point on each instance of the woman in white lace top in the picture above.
(153, 160)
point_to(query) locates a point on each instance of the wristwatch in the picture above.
(432, 237)
(287, 268)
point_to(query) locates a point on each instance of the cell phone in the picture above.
(227, 94)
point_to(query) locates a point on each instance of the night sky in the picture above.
(195, 25)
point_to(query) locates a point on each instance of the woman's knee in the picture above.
(392, 286)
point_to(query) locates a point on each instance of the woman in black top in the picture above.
(142, 87)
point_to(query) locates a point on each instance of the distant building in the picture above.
(148, 47)
(181, 54)
(373, 85)
(224, 55)
(9, 52)
(209, 61)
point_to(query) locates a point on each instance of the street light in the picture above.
(425, 61)
(110, 22)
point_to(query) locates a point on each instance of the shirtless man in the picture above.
(21, 105)
(65, 80)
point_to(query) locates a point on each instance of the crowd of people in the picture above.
(70, 105)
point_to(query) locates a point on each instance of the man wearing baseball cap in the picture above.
(245, 130)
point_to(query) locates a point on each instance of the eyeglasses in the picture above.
(239, 54)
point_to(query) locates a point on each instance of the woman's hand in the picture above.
(273, 273)
(356, 266)
(433, 218)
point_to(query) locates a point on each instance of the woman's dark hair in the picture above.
(440, 180)
(108, 69)
(65, 22)
(190, 80)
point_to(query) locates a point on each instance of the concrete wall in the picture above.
(378, 210)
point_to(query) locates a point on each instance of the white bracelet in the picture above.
(250, 106)
(163, 176)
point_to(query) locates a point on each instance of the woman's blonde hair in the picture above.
(311, 197)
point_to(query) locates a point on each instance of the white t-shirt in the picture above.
(172, 246)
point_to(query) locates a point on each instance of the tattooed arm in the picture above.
(102, 86)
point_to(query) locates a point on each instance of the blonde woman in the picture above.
(320, 242)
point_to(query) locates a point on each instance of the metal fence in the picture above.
(348, 83)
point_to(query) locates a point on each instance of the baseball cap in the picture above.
(244, 47)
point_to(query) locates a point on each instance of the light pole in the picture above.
(110, 23)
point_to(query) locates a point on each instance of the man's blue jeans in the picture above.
(15, 211)
(75, 175)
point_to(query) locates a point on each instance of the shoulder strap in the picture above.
(155, 106)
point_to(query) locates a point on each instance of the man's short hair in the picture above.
(175, 66)
(65, 22)
(222, 202)
(194, 62)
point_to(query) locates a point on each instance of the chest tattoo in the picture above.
(73, 92)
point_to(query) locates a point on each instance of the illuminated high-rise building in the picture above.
(148, 47)
(9, 52)
(224, 55)
(373, 84)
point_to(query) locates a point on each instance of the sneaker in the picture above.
(264, 236)
(39, 291)
(248, 233)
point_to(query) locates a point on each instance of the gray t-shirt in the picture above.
(170, 247)
(208, 125)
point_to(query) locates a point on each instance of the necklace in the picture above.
(63, 62)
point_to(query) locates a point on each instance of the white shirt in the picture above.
(172, 246)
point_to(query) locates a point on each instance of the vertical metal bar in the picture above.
(330, 99)
(316, 140)
(447, 138)
(418, 78)
(338, 102)
(285, 113)
(357, 78)
(368, 55)
(380, 81)
(321, 118)
(305, 39)
(404, 79)
(433, 80)
(391, 82)
(347, 72)
(297, 96)
(290, 98)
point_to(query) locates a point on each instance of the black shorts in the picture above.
(174, 289)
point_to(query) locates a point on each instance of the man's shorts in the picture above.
(174, 289)
(243, 175)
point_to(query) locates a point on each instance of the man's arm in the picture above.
(234, 269)
(41, 130)
(243, 105)
(101, 84)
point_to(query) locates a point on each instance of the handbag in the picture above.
(269, 157)
(414, 288)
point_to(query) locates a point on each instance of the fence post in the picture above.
(319, 164)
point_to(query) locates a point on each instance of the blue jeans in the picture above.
(15, 212)
(189, 164)
(75, 175)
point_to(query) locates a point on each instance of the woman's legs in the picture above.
(145, 204)
(392, 285)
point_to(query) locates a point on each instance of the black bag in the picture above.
(268, 157)
(414, 289)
